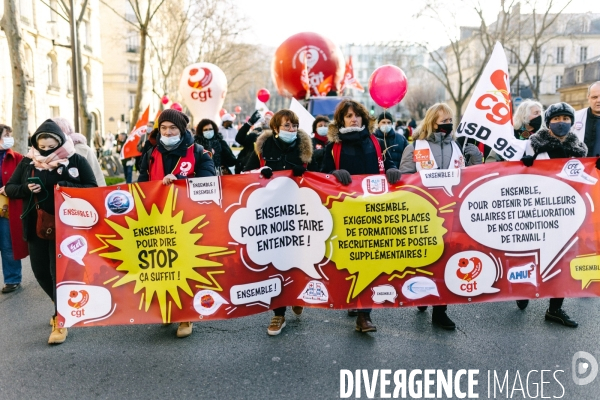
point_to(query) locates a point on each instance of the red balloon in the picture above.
(177, 106)
(388, 85)
(263, 95)
(238, 109)
(222, 112)
(318, 56)
(164, 99)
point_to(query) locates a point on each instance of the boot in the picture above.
(352, 312)
(440, 319)
(58, 335)
(297, 310)
(561, 317)
(422, 308)
(522, 304)
(364, 324)
(184, 329)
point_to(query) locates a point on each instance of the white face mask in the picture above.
(385, 128)
(322, 130)
(209, 134)
(7, 143)
(287, 136)
(170, 141)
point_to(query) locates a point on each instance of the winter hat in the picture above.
(385, 115)
(179, 119)
(228, 117)
(558, 109)
(51, 128)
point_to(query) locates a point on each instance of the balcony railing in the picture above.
(133, 48)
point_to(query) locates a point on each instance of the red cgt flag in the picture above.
(349, 79)
(129, 149)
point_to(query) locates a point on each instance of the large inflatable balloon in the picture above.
(313, 55)
(203, 87)
(387, 86)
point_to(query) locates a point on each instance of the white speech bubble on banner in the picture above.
(523, 213)
(441, 178)
(207, 302)
(314, 292)
(574, 171)
(205, 189)
(75, 248)
(383, 293)
(77, 303)
(470, 273)
(419, 287)
(118, 202)
(374, 185)
(77, 212)
(285, 225)
(261, 292)
(523, 274)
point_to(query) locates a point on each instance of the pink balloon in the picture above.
(177, 106)
(263, 95)
(164, 100)
(387, 86)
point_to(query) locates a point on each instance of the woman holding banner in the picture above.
(557, 141)
(175, 156)
(51, 161)
(283, 148)
(435, 147)
(353, 149)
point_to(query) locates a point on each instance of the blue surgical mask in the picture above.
(170, 141)
(287, 137)
(385, 128)
(560, 128)
(209, 134)
(322, 131)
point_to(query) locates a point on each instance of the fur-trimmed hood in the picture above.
(544, 142)
(303, 141)
(333, 134)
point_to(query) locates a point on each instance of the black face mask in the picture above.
(445, 128)
(46, 153)
(536, 123)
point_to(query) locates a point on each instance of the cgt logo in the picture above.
(78, 299)
(200, 82)
(467, 271)
(581, 364)
(497, 101)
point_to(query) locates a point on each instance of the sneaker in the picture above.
(364, 324)
(561, 317)
(353, 312)
(522, 304)
(422, 308)
(184, 329)
(276, 325)
(441, 319)
(58, 335)
(10, 287)
(297, 310)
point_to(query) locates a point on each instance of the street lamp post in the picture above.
(74, 66)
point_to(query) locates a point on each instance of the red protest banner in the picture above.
(232, 246)
(129, 149)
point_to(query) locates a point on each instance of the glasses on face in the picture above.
(289, 127)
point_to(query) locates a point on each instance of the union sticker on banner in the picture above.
(523, 274)
(575, 171)
(207, 302)
(383, 293)
(488, 117)
(315, 292)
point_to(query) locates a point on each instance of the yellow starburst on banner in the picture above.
(159, 252)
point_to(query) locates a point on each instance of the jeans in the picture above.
(128, 171)
(11, 268)
(42, 254)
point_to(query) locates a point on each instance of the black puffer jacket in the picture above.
(278, 155)
(77, 174)
(204, 165)
(544, 142)
(394, 145)
(319, 144)
(246, 139)
(358, 155)
(222, 155)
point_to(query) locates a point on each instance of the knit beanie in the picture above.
(179, 119)
(559, 109)
(51, 128)
(385, 115)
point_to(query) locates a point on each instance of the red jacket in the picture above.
(15, 207)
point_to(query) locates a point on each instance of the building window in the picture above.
(87, 76)
(133, 72)
(133, 42)
(558, 82)
(26, 11)
(69, 78)
(86, 32)
(535, 81)
(582, 54)
(513, 59)
(52, 73)
(579, 75)
(54, 112)
(560, 55)
(131, 100)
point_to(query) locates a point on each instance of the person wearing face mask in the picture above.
(12, 246)
(175, 156)
(557, 141)
(320, 127)
(211, 139)
(436, 148)
(247, 136)
(282, 148)
(394, 143)
(228, 131)
(354, 150)
(53, 160)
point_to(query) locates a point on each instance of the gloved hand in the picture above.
(472, 155)
(254, 117)
(598, 163)
(393, 175)
(298, 170)
(528, 160)
(267, 172)
(342, 176)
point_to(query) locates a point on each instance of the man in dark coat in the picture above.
(394, 143)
